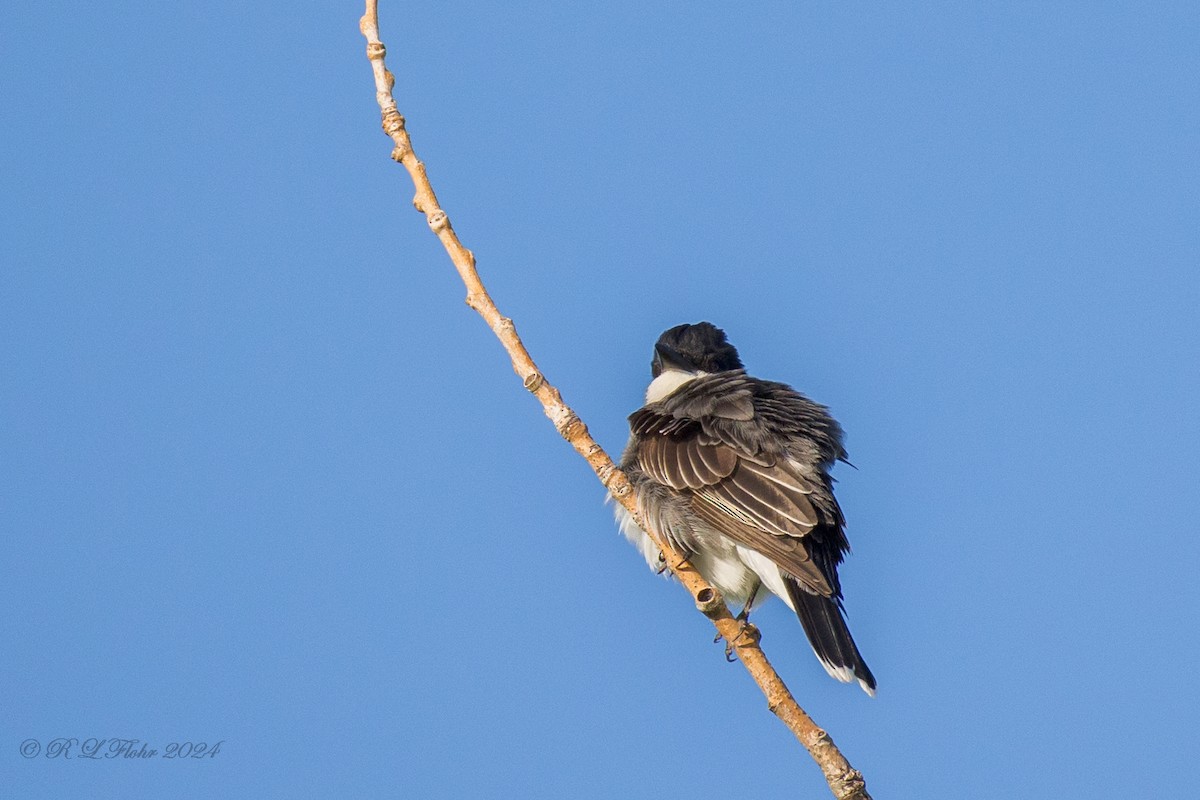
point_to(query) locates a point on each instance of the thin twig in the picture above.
(846, 782)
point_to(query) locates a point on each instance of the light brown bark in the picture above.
(845, 782)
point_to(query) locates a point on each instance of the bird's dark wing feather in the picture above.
(701, 441)
(685, 462)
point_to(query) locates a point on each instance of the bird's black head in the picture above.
(694, 348)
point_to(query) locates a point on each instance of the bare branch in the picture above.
(845, 782)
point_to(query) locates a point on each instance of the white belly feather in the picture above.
(734, 570)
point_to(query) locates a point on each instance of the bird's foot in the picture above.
(662, 560)
(748, 635)
(743, 618)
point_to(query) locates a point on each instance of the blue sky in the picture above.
(265, 480)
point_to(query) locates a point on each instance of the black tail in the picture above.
(830, 638)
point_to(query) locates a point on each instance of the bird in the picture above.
(733, 471)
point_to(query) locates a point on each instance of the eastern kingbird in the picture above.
(734, 472)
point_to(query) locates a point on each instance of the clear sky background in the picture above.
(265, 479)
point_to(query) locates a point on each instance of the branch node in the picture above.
(438, 221)
(709, 602)
(569, 425)
(820, 738)
(376, 50)
(618, 482)
(392, 122)
(853, 785)
(533, 381)
(610, 474)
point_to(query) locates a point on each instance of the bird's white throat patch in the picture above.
(667, 383)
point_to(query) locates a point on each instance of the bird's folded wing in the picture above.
(758, 500)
